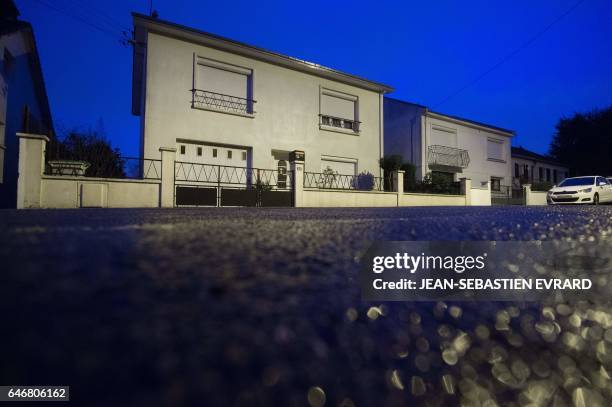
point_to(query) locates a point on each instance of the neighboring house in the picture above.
(451, 146)
(23, 100)
(529, 167)
(219, 101)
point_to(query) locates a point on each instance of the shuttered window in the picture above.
(495, 150)
(222, 86)
(443, 137)
(337, 107)
(221, 81)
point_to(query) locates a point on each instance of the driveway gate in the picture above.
(507, 195)
(198, 184)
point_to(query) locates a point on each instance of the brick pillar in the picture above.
(168, 156)
(31, 167)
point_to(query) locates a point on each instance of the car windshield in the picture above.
(573, 182)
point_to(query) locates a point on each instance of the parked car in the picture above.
(581, 190)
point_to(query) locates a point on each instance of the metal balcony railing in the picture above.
(340, 122)
(447, 156)
(218, 101)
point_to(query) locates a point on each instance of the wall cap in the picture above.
(33, 136)
(170, 149)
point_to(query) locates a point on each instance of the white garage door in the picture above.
(344, 167)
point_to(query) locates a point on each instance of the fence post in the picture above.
(526, 194)
(168, 156)
(466, 189)
(296, 161)
(31, 167)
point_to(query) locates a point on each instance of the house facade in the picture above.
(451, 146)
(24, 106)
(222, 102)
(529, 167)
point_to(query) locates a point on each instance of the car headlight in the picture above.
(587, 190)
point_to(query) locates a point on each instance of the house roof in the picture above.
(11, 25)
(456, 118)
(236, 47)
(520, 152)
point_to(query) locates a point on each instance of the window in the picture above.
(541, 173)
(183, 150)
(495, 184)
(343, 166)
(339, 110)
(199, 151)
(229, 154)
(495, 150)
(526, 171)
(221, 86)
(244, 156)
(282, 174)
(214, 152)
(555, 176)
(517, 172)
(548, 174)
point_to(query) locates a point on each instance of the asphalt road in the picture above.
(262, 307)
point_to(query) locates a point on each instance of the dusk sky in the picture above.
(426, 50)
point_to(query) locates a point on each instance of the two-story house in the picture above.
(529, 167)
(451, 146)
(219, 101)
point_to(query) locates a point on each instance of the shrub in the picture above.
(364, 181)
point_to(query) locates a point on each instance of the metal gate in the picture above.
(507, 195)
(198, 184)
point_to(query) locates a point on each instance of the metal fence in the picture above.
(219, 101)
(507, 195)
(119, 167)
(361, 182)
(227, 175)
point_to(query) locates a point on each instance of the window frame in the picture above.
(498, 141)
(355, 130)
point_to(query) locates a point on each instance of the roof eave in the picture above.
(465, 122)
(225, 44)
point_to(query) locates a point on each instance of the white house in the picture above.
(530, 167)
(448, 145)
(219, 101)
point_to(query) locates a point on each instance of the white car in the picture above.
(581, 190)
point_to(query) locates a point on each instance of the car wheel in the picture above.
(596, 199)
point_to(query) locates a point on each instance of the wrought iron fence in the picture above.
(340, 122)
(360, 182)
(227, 175)
(507, 195)
(219, 101)
(117, 167)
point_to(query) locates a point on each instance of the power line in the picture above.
(80, 18)
(98, 13)
(511, 54)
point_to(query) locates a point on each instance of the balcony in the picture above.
(447, 156)
(204, 99)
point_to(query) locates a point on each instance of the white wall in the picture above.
(410, 199)
(286, 113)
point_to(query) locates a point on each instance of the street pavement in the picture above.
(254, 306)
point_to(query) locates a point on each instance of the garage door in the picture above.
(344, 167)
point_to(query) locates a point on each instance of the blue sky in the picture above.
(426, 50)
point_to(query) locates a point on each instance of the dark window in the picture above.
(244, 155)
(496, 184)
(282, 174)
(526, 171)
(541, 173)
(199, 150)
(182, 149)
(555, 176)
(517, 173)
(229, 154)
(214, 152)
(548, 174)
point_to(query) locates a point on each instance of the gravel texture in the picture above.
(224, 307)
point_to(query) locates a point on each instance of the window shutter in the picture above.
(440, 137)
(337, 107)
(222, 81)
(495, 150)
